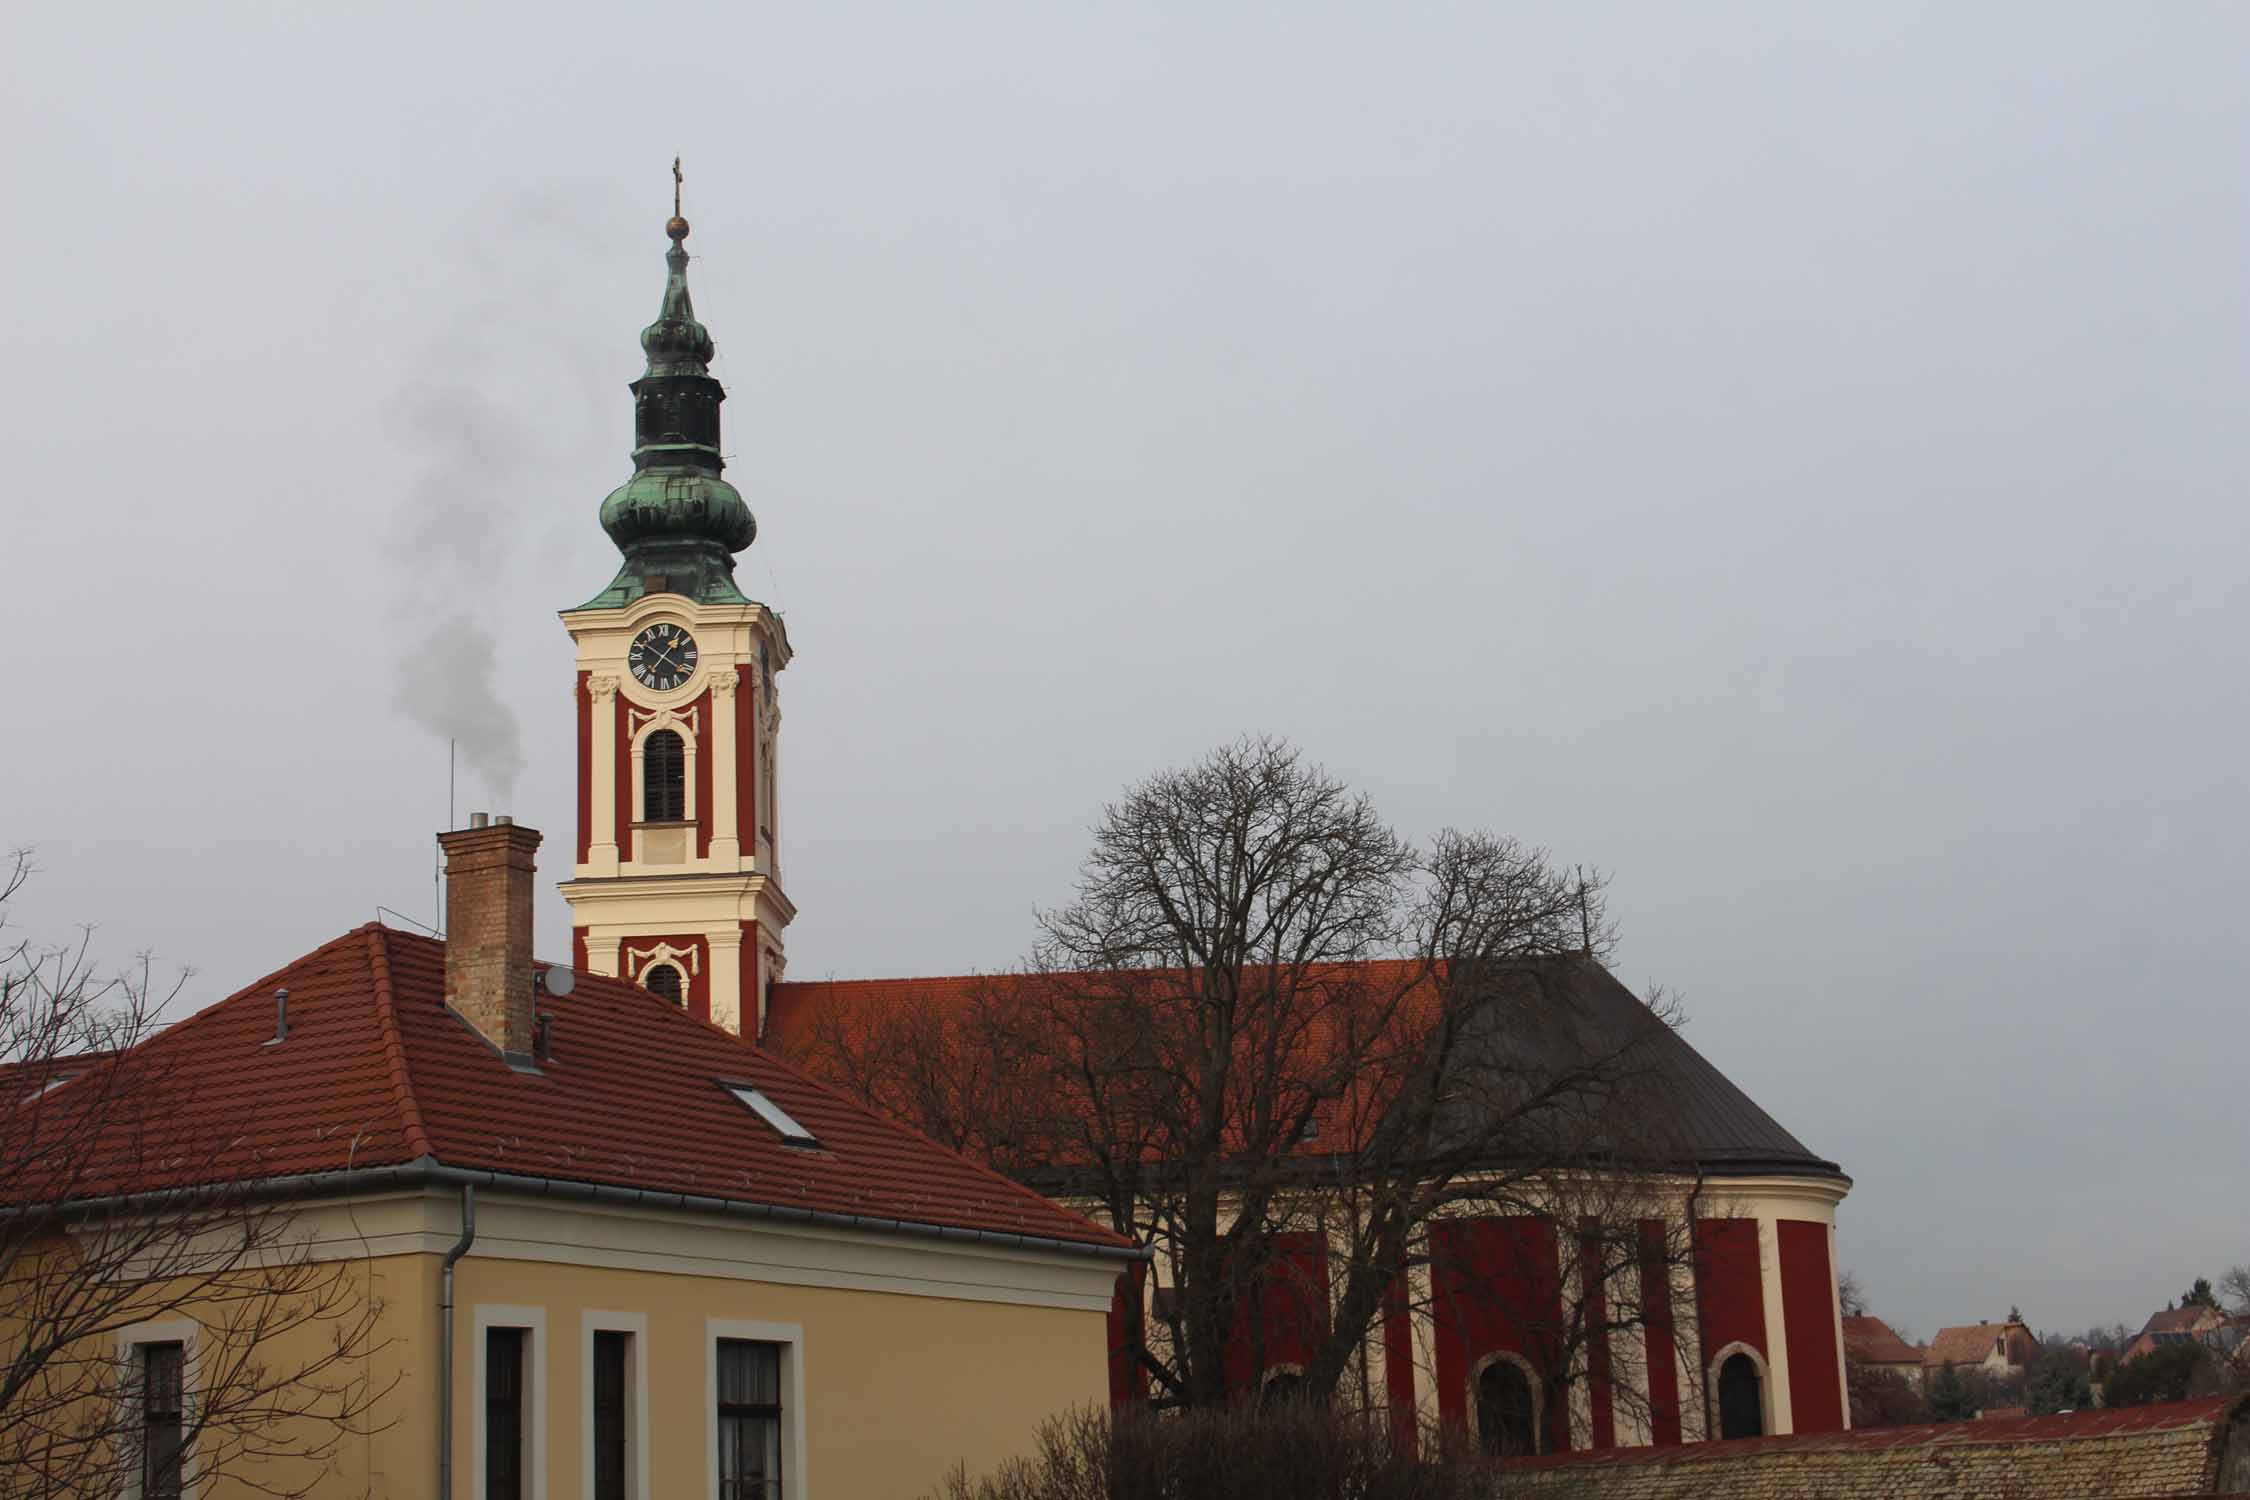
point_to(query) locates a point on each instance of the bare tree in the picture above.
(113, 1215)
(1278, 1042)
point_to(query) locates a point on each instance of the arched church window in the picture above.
(664, 981)
(1506, 1414)
(1742, 1398)
(1283, 1385)
(664, 777)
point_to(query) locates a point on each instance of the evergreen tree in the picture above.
(1950, 1397)
(2057, 1383)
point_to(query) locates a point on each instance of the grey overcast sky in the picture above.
(1790, 456)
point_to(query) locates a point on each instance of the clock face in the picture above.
(662, 657)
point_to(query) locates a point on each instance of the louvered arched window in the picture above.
(663, 777)
(663, 980)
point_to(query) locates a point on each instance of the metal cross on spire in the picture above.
(676, 179)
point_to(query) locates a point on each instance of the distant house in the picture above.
(2003, 1350)
(1873, 1343)
(2193, 1323)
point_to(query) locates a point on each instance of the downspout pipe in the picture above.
(445, 1340)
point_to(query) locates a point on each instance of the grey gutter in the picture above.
(425, 1171)
(445, 1341)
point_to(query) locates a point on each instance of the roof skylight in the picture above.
(784, 1124)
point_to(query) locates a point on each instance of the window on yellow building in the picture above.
(613, 1351)
(749, 1420)
(503, 1414)
(162, 1376)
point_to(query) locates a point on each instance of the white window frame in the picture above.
(1765, 1387)
(181, 1331)
(636, 1468)
(533, 1321)
(686, 726)
(1530, 1378)
(796, 1483)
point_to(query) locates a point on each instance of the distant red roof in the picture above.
(1973, 1343)
(376, 1071)
(1871, 1341)
(2192, 1318)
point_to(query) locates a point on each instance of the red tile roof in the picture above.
(2129, 1451)
(376, 1071)
(1871, 1341)
(2193, 1318)
(1973, 1343)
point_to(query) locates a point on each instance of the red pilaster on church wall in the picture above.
(1663, 1347)
(624, 780)
(1398, 1365)
(1283, 1318)
(753, 985)
(704, 733)
(1600, 1396)
(1808, 1312)
(1128, 1382)
(585, 771)
(1497, 1288)
(1730, 1290)
(578, 949)
(745, 758)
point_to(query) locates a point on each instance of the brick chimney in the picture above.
(488, 972)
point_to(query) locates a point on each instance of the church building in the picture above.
(677, 887)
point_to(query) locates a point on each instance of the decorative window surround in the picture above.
(1765, 1386)
(795, 1476)
(636, 1466)
(533, 1320)
(181, 1331)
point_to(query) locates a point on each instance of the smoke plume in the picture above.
(449, 559)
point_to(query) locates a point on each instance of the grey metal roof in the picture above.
(1688, 1111)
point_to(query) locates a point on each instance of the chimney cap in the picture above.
(505, 820)
(478, 820)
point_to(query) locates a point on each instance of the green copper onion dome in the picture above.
(677, 522)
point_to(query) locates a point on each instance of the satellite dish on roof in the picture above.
(557, 982)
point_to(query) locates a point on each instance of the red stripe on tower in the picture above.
(745, 758)
(701, 709)
(585, 768)
(624, 779)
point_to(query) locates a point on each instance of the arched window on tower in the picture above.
(664, 777)
(1742, 1398)
(1507, 1418)
(664, 981)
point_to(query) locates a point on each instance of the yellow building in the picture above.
(603, 1249)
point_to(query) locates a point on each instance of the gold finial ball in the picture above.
(676, 227)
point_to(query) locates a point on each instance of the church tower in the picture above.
(678, 878)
